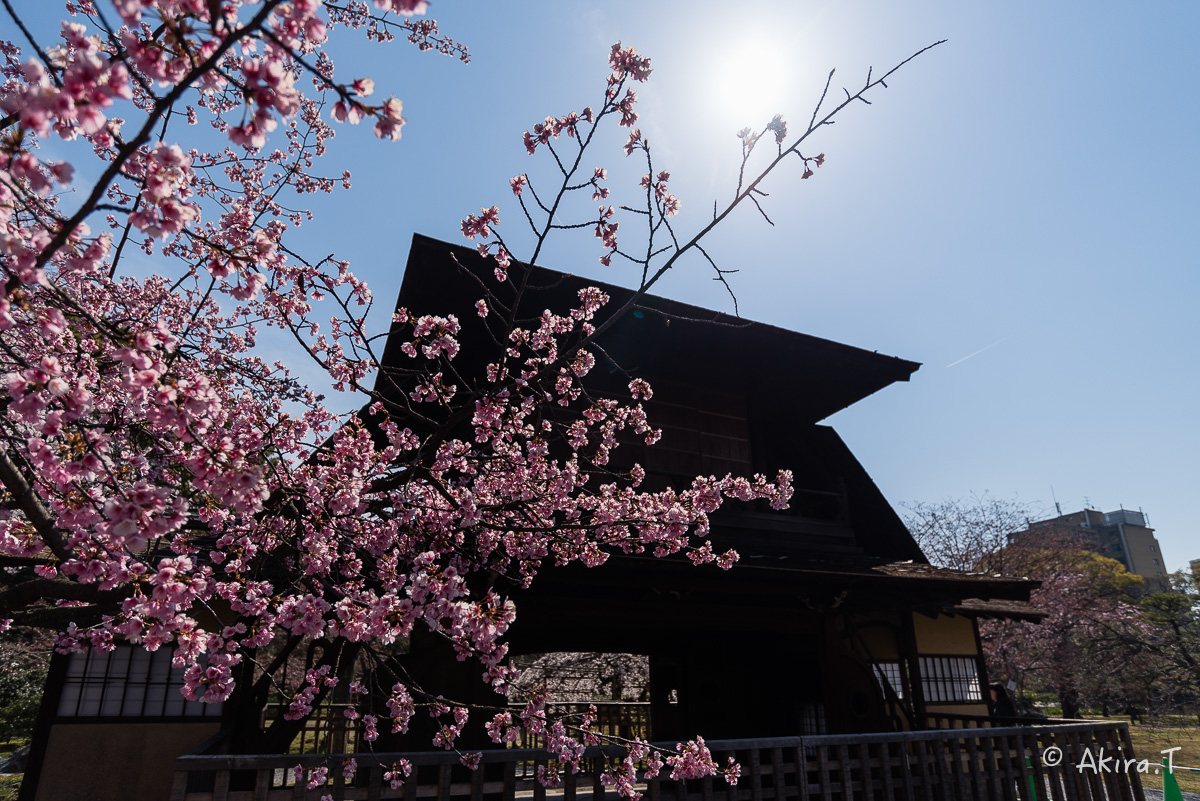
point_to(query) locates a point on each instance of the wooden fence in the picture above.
(325, 731)
(619, 719)
(996, 764)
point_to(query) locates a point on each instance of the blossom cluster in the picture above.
(168, 486)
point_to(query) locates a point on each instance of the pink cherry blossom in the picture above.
(164, 469)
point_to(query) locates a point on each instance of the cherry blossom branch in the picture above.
(27, 500)
(143, 135)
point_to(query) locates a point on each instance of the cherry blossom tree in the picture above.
(167, 486)
(1094, 645)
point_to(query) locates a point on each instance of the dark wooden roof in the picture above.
(791, 381)
(1000, 609)
(809, 377)
(902, 581)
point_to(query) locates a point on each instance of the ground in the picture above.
(1150, 740)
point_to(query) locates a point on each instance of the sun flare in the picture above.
(753, 83)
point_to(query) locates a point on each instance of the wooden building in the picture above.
(832, 622)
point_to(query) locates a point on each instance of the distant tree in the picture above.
(584, 676)
(24, 657)
(1175, 617)
(1091, 646)
(967, 533)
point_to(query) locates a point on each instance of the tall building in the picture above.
(1123, 535)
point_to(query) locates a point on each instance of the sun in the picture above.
(753, 83)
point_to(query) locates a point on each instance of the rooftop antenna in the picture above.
(1057, 508)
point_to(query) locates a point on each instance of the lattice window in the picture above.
(890, 675)
(709, 439)
(128, 682)
(812, 719)
(703, 433)
(950, 680)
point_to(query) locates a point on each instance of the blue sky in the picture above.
(1026, 192)
(1018, 212)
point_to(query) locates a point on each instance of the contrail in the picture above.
(976, 353)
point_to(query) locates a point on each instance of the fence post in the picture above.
(1171, 791)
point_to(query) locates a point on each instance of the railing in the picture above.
(996, 764)
(943, 720)
(1053, 762)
